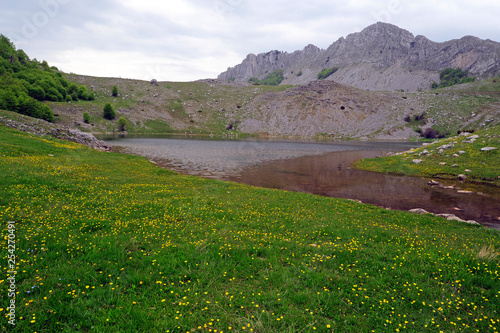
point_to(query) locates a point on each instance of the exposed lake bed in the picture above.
(322, 168)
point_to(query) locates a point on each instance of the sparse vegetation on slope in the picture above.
(272, 79)
(326, 72)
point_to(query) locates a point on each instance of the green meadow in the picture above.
(106, 242)
(463, 157)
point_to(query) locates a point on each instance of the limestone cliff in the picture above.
(381, 57)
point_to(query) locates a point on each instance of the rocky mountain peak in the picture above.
(380, 57)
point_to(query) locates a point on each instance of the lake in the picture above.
(322, 168)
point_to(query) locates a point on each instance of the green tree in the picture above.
(86, 118)
(109, 112)
(122, 122)
(450, 77)
(24, 83)
(114, 91)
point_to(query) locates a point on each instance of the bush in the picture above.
(272, 79)
(450, 77)
(109, 112)
(86, 118)
(114, 91)
(122, 122)
(431, 133)
(326, 72)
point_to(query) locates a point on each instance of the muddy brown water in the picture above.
(322, 168)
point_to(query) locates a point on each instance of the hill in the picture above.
(380, 57)
(319, 108)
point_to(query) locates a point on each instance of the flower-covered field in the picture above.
(111, 243)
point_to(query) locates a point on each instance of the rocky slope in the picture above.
(381, 57)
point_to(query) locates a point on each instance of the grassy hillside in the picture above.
(449, 158)
(218, 107)
(108, 242)
(201, 107)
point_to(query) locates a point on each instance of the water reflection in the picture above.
(320, 168)
(332, 175)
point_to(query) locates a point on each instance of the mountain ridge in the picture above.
(380, 57)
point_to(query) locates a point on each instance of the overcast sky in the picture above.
(185, 40)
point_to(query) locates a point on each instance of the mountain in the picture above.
(380, 57)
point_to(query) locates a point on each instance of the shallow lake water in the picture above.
(322, 168)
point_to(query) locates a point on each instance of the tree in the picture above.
(114, 91)
(86, 118)
(449, 77)
(122, 122)
(109, 112)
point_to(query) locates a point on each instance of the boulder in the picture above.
(418, 211)
(488, 148)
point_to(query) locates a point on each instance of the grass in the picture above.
(109, 242)
(463, 158)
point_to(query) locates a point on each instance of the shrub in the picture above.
(272, 79)
(450, 77)
(326, 72)
(114, 91)
(121, 124)
(109, 112)
(86, 118)
(431, 133)
(419, 117)
(254, 80)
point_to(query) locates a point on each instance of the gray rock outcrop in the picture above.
(381, 57)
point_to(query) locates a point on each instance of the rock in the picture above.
(462, 177)
(448, 146)
(432, 183)
(488, 148)
(464, 192)
(417, 161)
(363, 66)
(442, 163)
(467, 170)
(424, 152)
(154, 82)
(451, 217)
(418, 211)
(461, 152)
(441, 151)
(455, 165)
(456, 155)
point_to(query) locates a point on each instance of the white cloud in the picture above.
(193, 39)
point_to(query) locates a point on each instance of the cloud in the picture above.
(193, 39)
